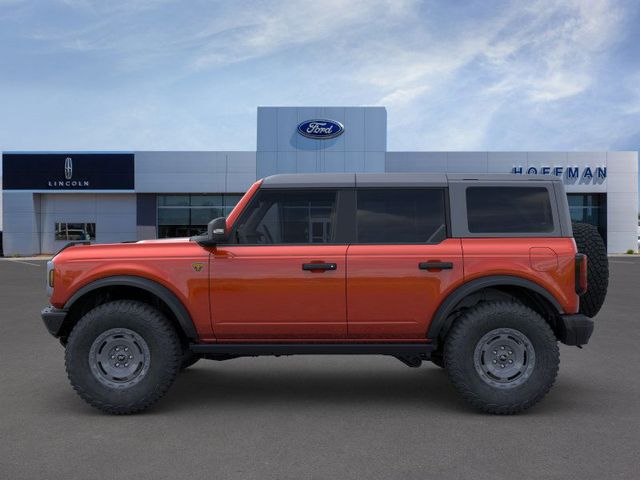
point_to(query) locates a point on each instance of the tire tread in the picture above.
(454, 362)
(589, 242)
(163, 328)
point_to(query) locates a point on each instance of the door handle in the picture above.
(319, 266)
(435, 265)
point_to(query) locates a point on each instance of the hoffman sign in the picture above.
(68, 171)
(569, 174)
(320, 129)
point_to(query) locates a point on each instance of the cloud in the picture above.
(288, 24)
(529, 59)
(453, 75)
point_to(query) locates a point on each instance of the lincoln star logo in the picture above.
(68, 175)
(197, 266)
(321, 129)
(68, 168)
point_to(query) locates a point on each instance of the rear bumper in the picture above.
(575, 329)
(53, 319)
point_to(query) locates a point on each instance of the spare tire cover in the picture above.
(589, 242)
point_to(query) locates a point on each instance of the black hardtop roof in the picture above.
(346, 180)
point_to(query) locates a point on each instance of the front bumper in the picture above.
(53, 319)
(575, 329)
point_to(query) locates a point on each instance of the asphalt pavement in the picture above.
(319, 417)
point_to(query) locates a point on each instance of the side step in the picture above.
(421, 350)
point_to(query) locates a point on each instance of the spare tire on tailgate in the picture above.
(589, 242)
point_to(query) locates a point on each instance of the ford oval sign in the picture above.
(320, 129)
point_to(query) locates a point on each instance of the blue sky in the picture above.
(483, 75)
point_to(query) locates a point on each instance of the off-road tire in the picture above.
(188, 359)
(164, 354)
(589, 242)
(469, 330)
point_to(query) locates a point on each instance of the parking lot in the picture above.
(319, 417)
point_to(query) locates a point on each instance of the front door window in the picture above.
(288, 217)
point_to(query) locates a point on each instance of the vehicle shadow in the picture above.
(210, 387)
(427, 386)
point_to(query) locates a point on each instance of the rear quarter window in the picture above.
(498, 209)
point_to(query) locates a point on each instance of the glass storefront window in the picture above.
(173, 216)
(231, 200)
(70, 232)
(206, 200)
(202, 216)
(186, 215)
(173, 200)
(589, 208)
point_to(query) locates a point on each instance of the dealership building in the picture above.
(51, 198)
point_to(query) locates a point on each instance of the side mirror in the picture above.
(216, 233)
(217, 230)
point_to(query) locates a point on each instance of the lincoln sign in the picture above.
(68, 171)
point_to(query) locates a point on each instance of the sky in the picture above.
(453, 75)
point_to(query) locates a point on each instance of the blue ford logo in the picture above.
(320, 129)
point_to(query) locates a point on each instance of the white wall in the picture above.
(113, 214)
(622, 201)
(21, 221)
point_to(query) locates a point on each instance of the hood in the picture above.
(165, 247)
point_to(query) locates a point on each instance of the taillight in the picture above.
(581, 273)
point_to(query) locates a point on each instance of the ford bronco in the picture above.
(482, 275)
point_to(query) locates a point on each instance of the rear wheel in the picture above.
(589, 242)
(502, 357)
(122, 356)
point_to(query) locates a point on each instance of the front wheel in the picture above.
(123, 356)
(502, 357)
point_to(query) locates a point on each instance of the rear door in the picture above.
(402, 264)
(284, 276)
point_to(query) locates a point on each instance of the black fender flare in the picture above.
(439, 321)
(160, 291)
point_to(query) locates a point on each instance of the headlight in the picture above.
(50, 277)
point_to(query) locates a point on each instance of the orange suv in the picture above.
(480, 274)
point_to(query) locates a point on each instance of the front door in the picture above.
(283, 275)
(401, 265)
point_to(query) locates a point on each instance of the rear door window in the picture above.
(509, 210)
(411, 215)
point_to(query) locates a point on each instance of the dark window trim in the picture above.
(516, 234)
(458, 208)
(346, 216)
(338, 211)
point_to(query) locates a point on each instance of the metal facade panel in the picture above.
(194, 172)
(361, 147)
